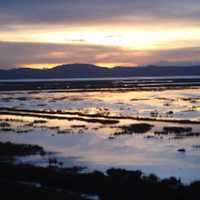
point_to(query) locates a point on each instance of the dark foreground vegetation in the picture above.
(24, 181)
(10, 149)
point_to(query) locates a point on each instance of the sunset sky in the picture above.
(45, 33)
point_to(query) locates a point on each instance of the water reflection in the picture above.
(95, 145)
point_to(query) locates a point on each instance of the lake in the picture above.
(148, 124)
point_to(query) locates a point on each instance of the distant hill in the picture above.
(93, 71)
(176, 63)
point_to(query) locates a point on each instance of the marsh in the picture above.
(121, 127)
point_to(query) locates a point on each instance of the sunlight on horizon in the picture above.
(106, 34)
(133, 39)
(136, 43)
(49, 65)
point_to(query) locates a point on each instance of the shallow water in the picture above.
(95, 145)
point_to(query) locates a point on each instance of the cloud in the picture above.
(51, 12)
(19, 54)
(36, 20)
(14, 54)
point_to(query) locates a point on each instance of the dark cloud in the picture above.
(21, 54)
(96, 11)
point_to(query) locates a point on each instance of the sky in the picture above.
(46, 33)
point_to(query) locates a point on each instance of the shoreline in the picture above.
(122, 84)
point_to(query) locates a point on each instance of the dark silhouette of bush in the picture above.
(116, 184)
(10, 149)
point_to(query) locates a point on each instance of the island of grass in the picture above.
(139, 128)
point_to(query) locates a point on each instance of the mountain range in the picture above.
(93, 71)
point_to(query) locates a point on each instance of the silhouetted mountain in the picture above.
(176, 63)
(93, 71)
